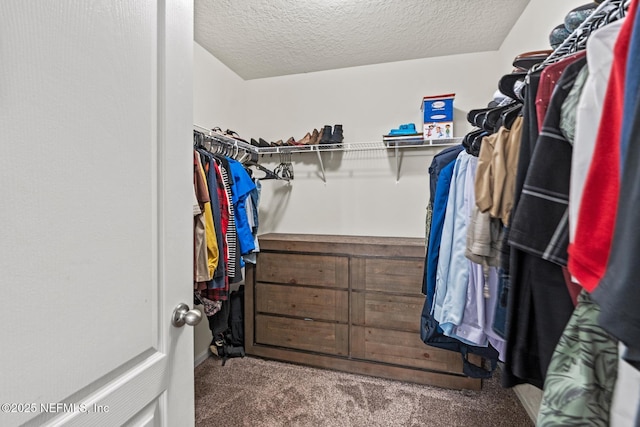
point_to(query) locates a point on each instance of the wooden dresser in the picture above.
(345, 303)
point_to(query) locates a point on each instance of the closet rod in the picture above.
(225, 140)
(570, 44)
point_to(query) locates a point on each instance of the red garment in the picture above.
(589, 253)
(548, 79)
(222, 293)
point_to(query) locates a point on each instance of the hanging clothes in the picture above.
(579, 387)
(594, 230)
(242, 185)
(589, 112)
(540, 304)
(440, 171)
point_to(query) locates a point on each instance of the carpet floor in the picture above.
(257, 392)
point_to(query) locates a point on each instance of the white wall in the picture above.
(361, 196)
(367, 100)
(219, 94)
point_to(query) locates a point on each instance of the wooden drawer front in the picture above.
(398, 276)
(314, 303)
(387, 311)
(314, 270)
(322, 337)
(401, 348)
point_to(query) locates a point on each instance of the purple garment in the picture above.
(477, 320)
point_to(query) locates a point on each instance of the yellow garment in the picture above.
(213, 253)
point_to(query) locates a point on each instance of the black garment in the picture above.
(234, 267)
(219, 322)
(539, 303)
(541, 225)
(539, 310)
(618, 293)
(511, 257)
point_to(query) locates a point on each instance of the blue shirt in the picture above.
(241, 186)
(437, 222)
(452, 277)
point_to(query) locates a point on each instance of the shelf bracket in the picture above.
(324, 178)
(397, 150)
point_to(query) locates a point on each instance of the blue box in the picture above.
(437, 113)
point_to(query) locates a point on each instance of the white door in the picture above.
(95, 212)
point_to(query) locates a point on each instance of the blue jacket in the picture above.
(437, 221)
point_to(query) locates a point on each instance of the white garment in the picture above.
(626, 395)
(599, 59)
(476, 326)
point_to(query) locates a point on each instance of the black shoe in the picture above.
(326, 135)
(263, 143)
(336, 136)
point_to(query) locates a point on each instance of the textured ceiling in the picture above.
(266, 38)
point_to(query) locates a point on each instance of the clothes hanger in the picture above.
(509, 116)
(269, 174)
(476, 144)
(198, 139)
(492, 117)
(507, 84)
(468, 140)
(476, 117)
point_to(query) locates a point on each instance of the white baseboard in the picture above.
(201, 357)
(530, 397)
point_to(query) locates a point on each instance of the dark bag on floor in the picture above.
(235, 333)
(230, 343)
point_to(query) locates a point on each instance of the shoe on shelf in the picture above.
(315, 137)
(290, 141)
(255, 143)
(306, 140)
(263, 143)
(336, 136)
(406, 129)
(234, 135)
(326, 135)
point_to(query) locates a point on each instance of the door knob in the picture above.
(182, 315)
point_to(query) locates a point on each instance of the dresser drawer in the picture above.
(401, 348)
(321, 337)
(313, 270)
(398, 276)
(299, 301)
(401, 312)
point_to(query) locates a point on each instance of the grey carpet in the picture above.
(256, 392)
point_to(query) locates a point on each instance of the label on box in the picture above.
(438, 130)
(438, 116)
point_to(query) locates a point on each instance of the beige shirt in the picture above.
(497, 168)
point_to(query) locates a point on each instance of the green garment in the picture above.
(581, 378)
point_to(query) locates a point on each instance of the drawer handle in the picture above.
(308, 319)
